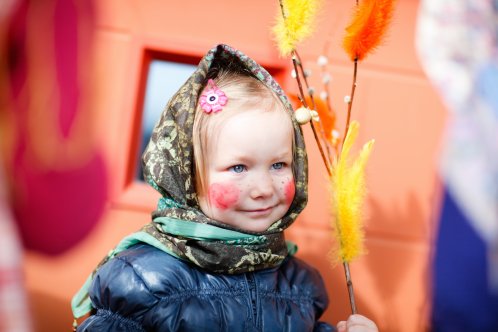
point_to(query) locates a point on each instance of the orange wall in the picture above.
(394, 104)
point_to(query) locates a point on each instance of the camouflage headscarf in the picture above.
(168, 167)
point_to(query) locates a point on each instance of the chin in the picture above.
(257, 225)
(249, 224)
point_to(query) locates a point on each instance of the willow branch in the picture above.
(350, 102)
(313, 106)
(305, 104)
(349, 283)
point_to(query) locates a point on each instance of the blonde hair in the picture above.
(244, 92)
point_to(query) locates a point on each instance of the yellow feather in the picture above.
(348, 188)
(297, 24)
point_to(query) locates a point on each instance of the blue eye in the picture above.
(279, 165)
(237, 168)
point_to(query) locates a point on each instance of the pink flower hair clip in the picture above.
(212, 98)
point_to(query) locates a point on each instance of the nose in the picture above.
(262, 186)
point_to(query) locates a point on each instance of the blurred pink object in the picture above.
(57, 174)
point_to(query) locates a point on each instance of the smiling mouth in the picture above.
(259, 212)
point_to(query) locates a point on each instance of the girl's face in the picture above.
(250, 182)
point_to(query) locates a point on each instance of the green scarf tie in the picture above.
(81, 303)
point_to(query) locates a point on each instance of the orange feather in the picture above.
(368, 27)
(327, 117)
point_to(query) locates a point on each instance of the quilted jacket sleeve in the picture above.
(323, 327)
(310, 278)
(321, 302)
(121, 299)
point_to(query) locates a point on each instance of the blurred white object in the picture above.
(457, 46)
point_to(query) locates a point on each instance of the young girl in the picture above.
(229, 160)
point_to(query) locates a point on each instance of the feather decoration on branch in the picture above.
(295, 23)
(327, 118)
(368, 27)
(348, 188)
(347, 177)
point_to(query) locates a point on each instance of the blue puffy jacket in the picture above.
(145, 289)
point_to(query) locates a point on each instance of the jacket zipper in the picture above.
(253, 291)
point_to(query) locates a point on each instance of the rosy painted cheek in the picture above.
(290, 191)
(223, 195)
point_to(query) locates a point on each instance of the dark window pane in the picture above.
(163, 80)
